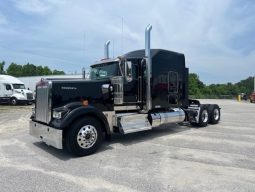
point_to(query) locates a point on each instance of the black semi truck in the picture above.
(137, 91)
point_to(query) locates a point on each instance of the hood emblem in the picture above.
(69, 88)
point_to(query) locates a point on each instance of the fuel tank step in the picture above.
(133, 122)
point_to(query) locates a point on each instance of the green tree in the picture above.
(47, 71)
(245, 86)
(2, 67)
(14, 70)
(56, 72)
(196, 87)
(29, 70)
(39, 70)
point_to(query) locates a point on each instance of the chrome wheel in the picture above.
(216, 114)
(87, 136)
(204, 116)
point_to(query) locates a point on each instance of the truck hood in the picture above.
(67, 91)
(22, 91)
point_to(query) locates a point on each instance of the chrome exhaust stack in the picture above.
(106, 49)
(148, 67)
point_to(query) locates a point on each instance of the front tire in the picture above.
(84, 137)
(13, 101)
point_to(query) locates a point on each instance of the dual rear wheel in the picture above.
(208, 114)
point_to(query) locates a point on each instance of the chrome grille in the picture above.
(43, 102)
(29, 96)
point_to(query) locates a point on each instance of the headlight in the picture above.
(58, 114)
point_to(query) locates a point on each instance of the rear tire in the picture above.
(84, 137)
(203, 116)
(214, 114)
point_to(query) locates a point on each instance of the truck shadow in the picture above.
(125, 140)
(63, 154)
(58, 153)
(143, 136)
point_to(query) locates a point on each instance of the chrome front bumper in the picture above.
(49, 135)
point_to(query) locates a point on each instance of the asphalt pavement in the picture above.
(175, 158)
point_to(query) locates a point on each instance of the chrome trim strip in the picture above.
(50, 101)
(110, 117)
(127, 107)
(49, 135)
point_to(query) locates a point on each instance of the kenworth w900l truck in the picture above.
(138, 91)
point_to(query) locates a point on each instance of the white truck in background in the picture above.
(13, 91)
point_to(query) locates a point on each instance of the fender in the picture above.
(193, 101)
(18, 96)
(78, 111)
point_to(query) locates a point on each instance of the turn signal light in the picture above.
(85, 102)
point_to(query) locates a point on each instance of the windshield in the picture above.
(104, 71)
(18, 86)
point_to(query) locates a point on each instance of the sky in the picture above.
(216, 36)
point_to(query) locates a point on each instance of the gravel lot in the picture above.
(178, 158)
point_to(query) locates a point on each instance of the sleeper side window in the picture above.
(8, 87)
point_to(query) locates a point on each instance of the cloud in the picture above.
(217, 37)
(35, 6)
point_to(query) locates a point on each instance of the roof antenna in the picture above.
(122, 36)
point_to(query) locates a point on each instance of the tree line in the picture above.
(28, 69)
(198, 89)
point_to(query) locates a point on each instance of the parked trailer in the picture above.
(138, 91)
(13, 91)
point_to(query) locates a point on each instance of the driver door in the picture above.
(130, 87)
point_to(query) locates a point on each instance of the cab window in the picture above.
(8, 87)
